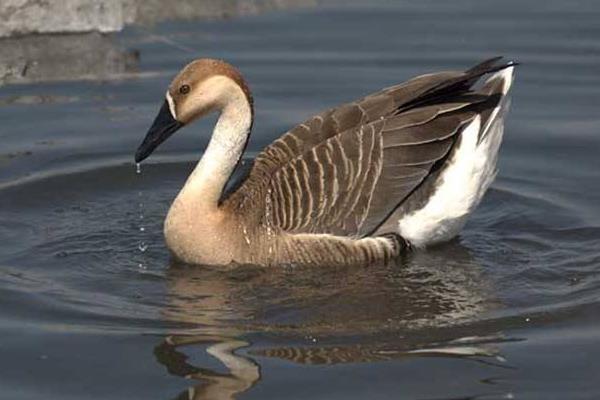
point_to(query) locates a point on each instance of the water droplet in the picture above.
(142, 246)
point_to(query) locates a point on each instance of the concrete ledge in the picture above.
(49, 40)
(52, 57)
(23, 17)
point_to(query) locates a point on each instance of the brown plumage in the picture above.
(332, 190)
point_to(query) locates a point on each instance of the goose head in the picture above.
(200, 88)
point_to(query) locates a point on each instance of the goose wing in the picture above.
(344, 171)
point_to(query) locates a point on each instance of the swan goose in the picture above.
(356, 184)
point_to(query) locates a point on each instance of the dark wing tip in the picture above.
(484, 65)
(489, 66)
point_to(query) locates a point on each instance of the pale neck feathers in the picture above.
(220, 93)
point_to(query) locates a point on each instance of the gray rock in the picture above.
(21, 17)
(54, 57)
(48, 40)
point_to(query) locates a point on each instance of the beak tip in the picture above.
(164, 125)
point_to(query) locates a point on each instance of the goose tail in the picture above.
(470, 168)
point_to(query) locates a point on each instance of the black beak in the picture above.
(164, 125)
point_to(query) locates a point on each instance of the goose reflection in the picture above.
(242, 373)
(396, 311)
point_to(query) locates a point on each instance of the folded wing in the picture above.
(343, 172)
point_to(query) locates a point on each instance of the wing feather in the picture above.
(345, 170)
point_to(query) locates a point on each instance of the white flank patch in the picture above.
(445, 213)
(470, 171)
(468, 175)
(507, 77)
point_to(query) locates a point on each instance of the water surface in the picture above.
(507, 310)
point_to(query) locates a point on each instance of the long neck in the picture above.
(206, 183)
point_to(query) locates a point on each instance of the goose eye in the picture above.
(185, 89)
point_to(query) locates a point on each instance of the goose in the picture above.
(358, 184)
